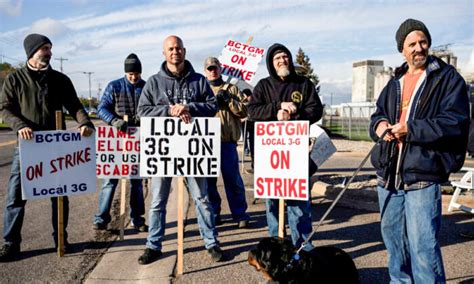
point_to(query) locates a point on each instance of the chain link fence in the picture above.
(350, 120)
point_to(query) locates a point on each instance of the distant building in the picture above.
(381, 80)
(446, 55)
(363, 79)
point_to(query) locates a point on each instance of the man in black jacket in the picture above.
(286, 96)
(425, 110)
(28, 102)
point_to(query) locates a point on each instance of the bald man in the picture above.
(177, 91)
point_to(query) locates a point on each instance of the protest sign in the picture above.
(323, 148)
(170, 147)
(57, 163)
(240, 60)
(117, 153)
(281, 162)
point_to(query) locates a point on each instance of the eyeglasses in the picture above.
(212, 68)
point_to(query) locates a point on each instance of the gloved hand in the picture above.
(222, 97)
(120, 124)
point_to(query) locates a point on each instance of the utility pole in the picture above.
(99, 89)
(61, 59)
(90, 95)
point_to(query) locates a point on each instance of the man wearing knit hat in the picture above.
(120, 98)
(28, 102)
(424, 111)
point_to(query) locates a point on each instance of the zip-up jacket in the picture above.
(121, 98)
(163, 89)
(270, 92)
(437, 122)
(231, 113)
(30, 98)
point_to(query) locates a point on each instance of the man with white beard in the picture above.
(286, 96)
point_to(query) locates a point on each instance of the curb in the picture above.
(365, 198)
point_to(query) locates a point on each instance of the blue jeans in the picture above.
(299, 220)
(197, 187)
(410, 223)
(299, 215)
(233, 184)
(106, 195)
(14, 212)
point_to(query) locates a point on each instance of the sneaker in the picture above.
(243, 224)
(141, 228)
(9, 252)
(216, 253)
(149, 256)
(99, 226)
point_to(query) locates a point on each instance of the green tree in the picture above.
(5, 69)
(305, 69)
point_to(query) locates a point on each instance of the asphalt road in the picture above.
(38, 261)
(355, 231)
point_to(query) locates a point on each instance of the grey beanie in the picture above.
(132, 64)
(407, 27)
(33, 42)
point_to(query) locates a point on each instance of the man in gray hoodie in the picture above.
(177, 91)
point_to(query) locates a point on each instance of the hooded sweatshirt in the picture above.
(270, 92)
(164, 89)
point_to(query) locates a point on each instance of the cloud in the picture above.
(10, 8)
(50, 27)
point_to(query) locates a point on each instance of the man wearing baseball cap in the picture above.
(28, 102)
(231, 110)
(425, 110)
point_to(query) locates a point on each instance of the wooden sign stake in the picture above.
(180, 220)
(123, 198)
(60, 232)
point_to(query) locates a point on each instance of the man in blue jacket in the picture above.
(177, 91)
(425, 110)
(120, 98)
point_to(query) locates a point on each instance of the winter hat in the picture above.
(33, 42)
(133, 64)
(407, 27)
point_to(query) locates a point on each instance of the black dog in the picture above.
(320, 265)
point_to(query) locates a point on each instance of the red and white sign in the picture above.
(57, 163)
(281, 162)
(240, 60)
(118, 153)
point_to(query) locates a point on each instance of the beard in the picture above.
(43, 60)
(283, 71)
(420, 62)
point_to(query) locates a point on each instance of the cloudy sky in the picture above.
(97, 35)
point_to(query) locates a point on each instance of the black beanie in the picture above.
(407, 27)
(33, 42)
(133, 64)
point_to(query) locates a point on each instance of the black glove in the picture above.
(120, 124)
(222, 97)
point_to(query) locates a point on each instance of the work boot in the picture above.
(99, 226)
(149, 256)
(141, 228)
(216, 253)
(9, 252)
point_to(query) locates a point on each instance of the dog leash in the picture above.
(296, 257)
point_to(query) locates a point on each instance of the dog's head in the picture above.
(271, 256)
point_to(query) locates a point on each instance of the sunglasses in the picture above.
(211, 68)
